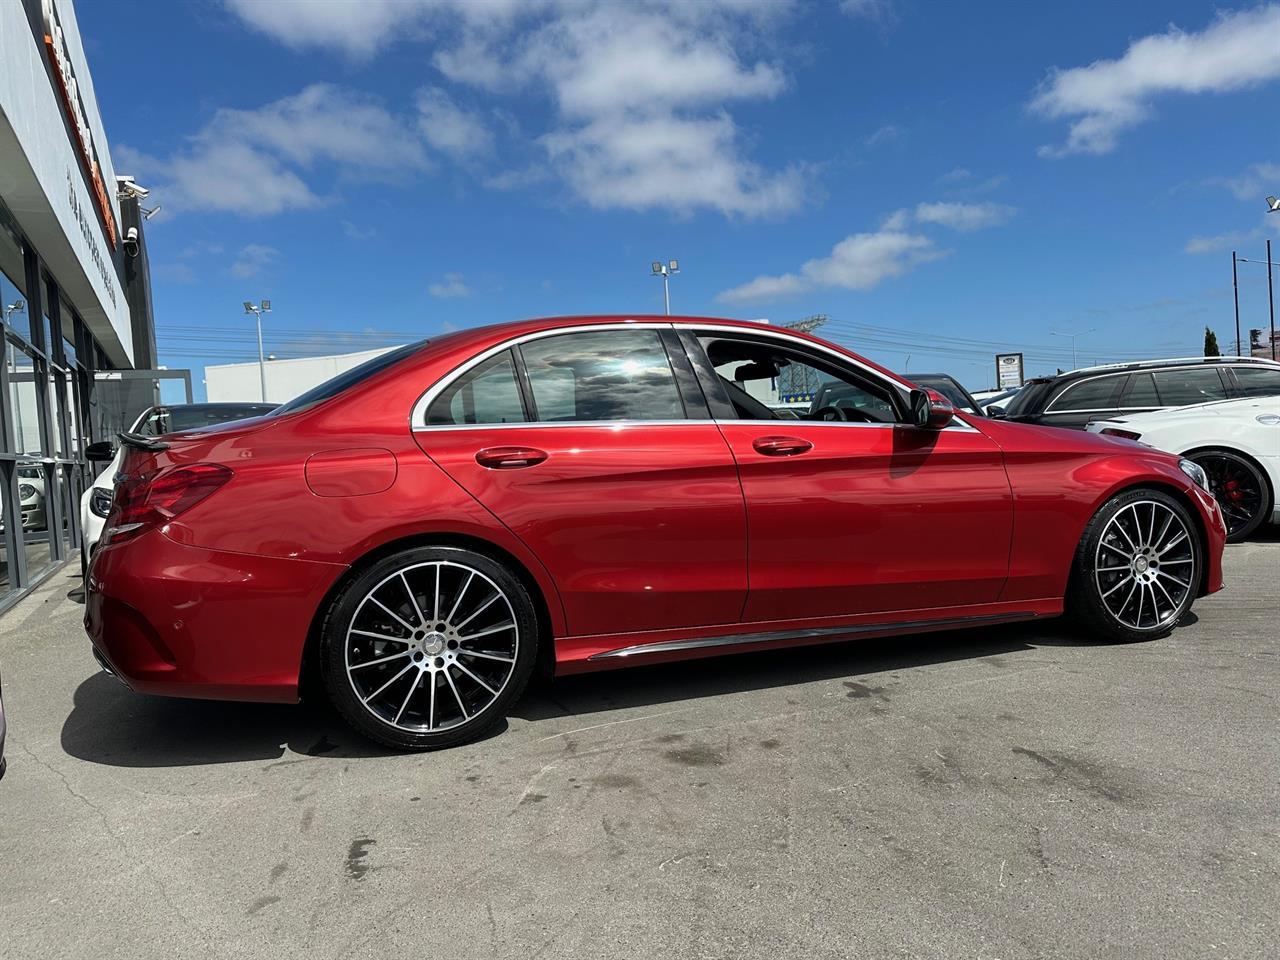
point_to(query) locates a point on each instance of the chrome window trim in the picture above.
(418, 414)
(1173, 368)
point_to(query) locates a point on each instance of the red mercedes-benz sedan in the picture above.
(593, 492)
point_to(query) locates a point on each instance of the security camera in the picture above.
(131, 241)
(128, 188)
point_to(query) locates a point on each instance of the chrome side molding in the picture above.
(811, 633)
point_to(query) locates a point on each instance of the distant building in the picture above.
(232, 382)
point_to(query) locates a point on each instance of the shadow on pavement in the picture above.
(112, 725)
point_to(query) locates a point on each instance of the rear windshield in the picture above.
(198, 415)
(1026, 399)
(347, 380)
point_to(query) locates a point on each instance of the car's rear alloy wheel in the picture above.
(1240, 488)
(1138, 567)
(428, 647)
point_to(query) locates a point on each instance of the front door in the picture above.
(851, 510)
(590, 447)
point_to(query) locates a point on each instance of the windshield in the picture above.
(194, 416)
(347, 380)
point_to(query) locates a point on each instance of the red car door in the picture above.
(855, 512)
(596, 449)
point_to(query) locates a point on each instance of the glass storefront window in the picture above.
(14, 309)
(23, 404)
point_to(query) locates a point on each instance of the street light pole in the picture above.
(665, 270)
(258, 311)
(1271, 302)
(1074, 362)
(1235, 287)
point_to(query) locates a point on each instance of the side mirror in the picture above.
(104, 451)
(930, 410)
(995, 413)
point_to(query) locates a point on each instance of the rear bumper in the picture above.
(187, 621)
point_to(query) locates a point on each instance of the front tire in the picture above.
(1137, 568)
(1241, 489)
(428, 647)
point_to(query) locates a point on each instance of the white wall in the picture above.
(240, 382)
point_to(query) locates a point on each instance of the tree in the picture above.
(1211, 344)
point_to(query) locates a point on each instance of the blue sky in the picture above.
(940, 180)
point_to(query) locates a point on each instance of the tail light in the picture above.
(154, 499)
(1117, 432)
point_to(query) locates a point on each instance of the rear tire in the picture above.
(428, 647)
(1137, 569)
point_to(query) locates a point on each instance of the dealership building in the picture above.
(75, 301)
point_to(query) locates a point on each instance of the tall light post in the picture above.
(665, 271)
(1273, 206)
(1074, 363)
(258, 311)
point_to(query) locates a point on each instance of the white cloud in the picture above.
(883, 12)
(251, 162)
(1258, 181)
(965, 217)
(452, 285)
(1237, 51)
(253, 259)
(449, 128)
(858, 262)
(886, 134)
(640, 92)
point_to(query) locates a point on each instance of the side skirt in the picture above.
(808, 635)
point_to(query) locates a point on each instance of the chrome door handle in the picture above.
(510, 458)
(781, 446)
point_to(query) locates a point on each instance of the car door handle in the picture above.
(781, 446)
(510, 458)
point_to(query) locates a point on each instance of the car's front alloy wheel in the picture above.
(1137, 570)
(426, 648)
(1240, 488)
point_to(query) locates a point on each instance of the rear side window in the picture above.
(602, 375)
(1178, 388)
(1097, 393)
(1258, 381)
(1141, 392)
(488, 393)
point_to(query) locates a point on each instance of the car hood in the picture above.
(1023, 436)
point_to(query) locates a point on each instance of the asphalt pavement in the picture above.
(1003, 793)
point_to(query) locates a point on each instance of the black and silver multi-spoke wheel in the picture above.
(1137, 569)
(426, 648)
(1240, 488)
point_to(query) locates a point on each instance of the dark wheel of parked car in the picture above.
(1137, 568)
(428, 647)
(1241, 489)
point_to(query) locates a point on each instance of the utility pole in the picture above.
(1271, 302)
(805, 388)
(1235, 287)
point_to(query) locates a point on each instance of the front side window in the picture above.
(1258, 381)
(1096, 394)
(487, 393)
(766, 381)
(602, 375)
(1178, 388)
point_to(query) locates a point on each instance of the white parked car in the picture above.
(95, 504)
(31, 500)
(1237, 442)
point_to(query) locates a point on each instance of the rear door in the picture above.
(594, 446)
